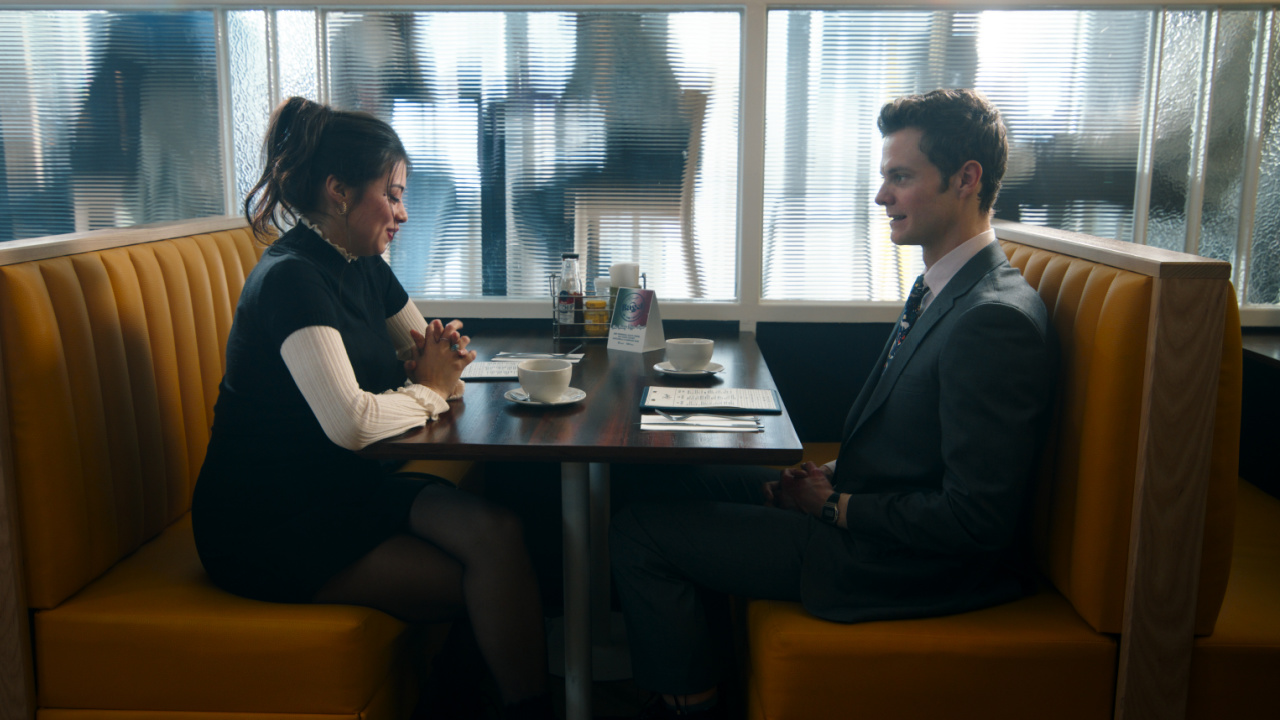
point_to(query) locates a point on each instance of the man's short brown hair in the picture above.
(956, 126)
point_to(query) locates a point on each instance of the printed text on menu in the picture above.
(745, 398)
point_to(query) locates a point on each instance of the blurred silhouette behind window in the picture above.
(615, 133)
(1073, 135)
(537, 133)
(117, 125)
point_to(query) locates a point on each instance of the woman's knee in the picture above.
(495, 532)
(504, 525)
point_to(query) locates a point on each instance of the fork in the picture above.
(682, 418)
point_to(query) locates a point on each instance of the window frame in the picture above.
(750, 308)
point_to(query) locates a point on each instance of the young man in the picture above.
(920, 514)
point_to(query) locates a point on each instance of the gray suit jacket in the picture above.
(938, 455)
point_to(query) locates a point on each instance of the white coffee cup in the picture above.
(544, 380)
(688, 354)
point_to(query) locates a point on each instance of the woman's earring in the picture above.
(342, 208)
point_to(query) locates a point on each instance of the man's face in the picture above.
(921, 211)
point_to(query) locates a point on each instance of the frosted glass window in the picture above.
(1264, 265)
(1173, 146)
(250, 94)
(296, 40)
(252, 65)
(613, 134)
(1227, 134)
(1074, 135)
(1207, 115)
(108, 119)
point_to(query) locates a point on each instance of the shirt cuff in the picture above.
(429, 399)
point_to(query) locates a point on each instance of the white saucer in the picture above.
(665, 368)
(570, 396)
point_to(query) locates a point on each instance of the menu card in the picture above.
(744, 399)
(491, 371)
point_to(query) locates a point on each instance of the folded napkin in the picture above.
(700, 423)
(518, 356)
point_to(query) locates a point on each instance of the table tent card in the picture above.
(637, 323)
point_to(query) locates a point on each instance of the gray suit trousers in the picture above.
(685, 531)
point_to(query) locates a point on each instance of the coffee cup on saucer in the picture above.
(689, 354)
(544, 380)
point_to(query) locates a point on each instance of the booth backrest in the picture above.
(1103, 317)
(111, 361)
(1145, 451)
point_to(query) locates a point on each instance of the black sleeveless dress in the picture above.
(278, 508)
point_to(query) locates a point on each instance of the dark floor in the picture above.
(460, 688)
(620, 698)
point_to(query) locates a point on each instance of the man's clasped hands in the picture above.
(804, 488)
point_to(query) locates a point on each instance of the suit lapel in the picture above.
(978, 266)
(855, 411)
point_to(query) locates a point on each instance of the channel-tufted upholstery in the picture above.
(1053, 654)
(111, 363)
(1085, 497)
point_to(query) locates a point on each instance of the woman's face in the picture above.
(372, 224)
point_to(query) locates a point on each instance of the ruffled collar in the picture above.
(346, 255)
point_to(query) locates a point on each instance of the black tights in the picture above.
(461, 556)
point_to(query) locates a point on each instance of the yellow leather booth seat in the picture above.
(153, 634)
(1053, 654)
(111, 362)
(1234, 671)
(1035, 657)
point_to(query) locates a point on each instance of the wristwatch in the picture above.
(831, 509)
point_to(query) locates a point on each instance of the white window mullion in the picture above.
(273, 60)
(322, 55)
(755, 38)
(226, 118)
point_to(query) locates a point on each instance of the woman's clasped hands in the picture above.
(439, 357)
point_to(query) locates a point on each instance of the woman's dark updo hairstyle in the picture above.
(307, 142)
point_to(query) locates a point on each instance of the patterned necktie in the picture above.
(909, 315)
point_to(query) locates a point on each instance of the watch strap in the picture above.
(831, 509)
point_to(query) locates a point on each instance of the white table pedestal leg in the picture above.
(599, 483)
(575, 509)
(610, 655)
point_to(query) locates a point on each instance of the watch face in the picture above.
(829, 512)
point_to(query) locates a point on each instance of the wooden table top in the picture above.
(604, 427)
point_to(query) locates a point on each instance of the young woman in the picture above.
(326, 355)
